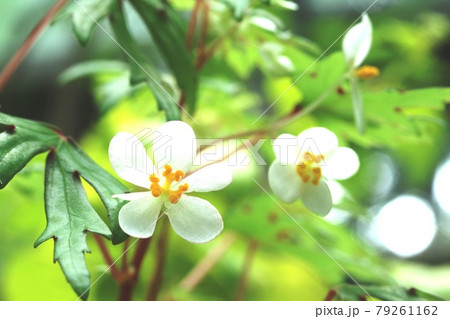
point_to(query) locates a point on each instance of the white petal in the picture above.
(138, 217)
(357, 42)
(174, 143)
(317, 140)
(284, 181)
(212, 177)
(131, 196)
(341, 164)
(317, 198)
(195, 219)
(286, 149)
(129, 159)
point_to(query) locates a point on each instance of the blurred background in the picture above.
(391, 222)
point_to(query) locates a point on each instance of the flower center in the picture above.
(174, 195)
(308, 169)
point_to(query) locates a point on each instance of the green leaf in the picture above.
(20, 141)
(168, 32)
(90, 68)
(238, 7)
(69, 217)
(142, 69)
(386, 293)
(86, 15)
(75, 160)
(69, 213)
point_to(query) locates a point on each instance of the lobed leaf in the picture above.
(69, 217)
(168, 32)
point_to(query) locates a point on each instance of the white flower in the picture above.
(302, 164)
(169, 174)
(357, 42)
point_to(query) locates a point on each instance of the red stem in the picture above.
(192, 25)
(109, 261)
(126, 288)
(161, 252)
(28, 43)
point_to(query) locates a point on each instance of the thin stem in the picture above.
(161, 252)
(199, 272)
(245, 272)
(115, 273)
(203, 30)
(193, 24)
(28, 43)
(126, 288)
(126, 244)
(139, 255)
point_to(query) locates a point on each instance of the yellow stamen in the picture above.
(308, 169)
(367, 72)
(174, 195)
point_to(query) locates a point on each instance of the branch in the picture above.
(109, 260)
(126, 288)
(199, 272)
(193, 24)
(28, 43)
(243, 279)
(161, 252)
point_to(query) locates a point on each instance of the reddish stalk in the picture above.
(161, 252)
(203, 30)
(245, 273)
(18, 57)
(192, 25)
(199, 272)
(115, 273)
(126, 288)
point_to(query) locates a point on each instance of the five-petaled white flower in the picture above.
(169, 174)
(303, 162)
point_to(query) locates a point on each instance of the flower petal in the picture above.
(131, 196)
(284, 181)
(317, 198)
(138, 217)
(357, 42)
(341, 164)
(195, 219)
(317, 140)
(129, 159)
(212, 177)
(174, 143)
(286, 149)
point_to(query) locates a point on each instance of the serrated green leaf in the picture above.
(20, 141)
(69, 213)
(385, 293)
(168, 31)
(69, 217)
(142, 69)
(86, 15)
(74, 159)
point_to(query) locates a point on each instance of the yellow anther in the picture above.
(308, 169)
(367, 72)
(178, 175)
(154, 179)
(156, 191)
(170, 176)
(167, 170)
